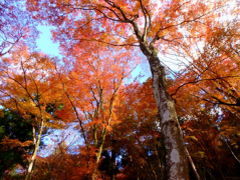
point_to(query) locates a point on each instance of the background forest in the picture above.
(89, 114)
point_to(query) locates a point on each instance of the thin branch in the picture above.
(196, 81)
(230, 149)
(108, 43)
(143, 9)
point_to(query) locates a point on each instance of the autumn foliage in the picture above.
(87, 115)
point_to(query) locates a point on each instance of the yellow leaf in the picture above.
(192, 138)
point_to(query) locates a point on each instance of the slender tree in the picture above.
(25, 88)
(93, 101)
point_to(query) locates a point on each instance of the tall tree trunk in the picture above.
(176, 159)
(33, 158)
(99, 154)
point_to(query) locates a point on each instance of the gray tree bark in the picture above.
(176, 159)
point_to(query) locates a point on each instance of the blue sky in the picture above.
(45, 43)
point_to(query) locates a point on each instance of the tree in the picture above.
(206, 96)
(137, 137)
(152, 26)
(16, 25)
(91, 85)
(26, 89)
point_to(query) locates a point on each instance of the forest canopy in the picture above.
(88, 114)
